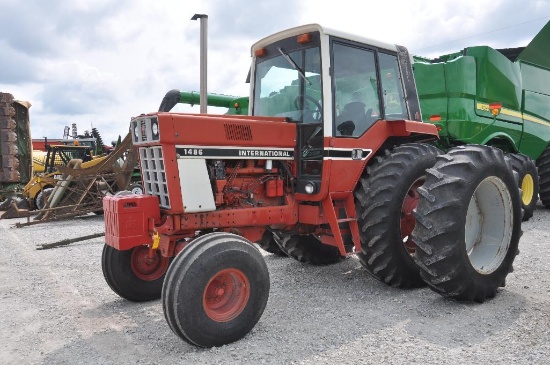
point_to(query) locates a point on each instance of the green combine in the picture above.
(498, 97)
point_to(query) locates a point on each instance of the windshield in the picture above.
(289, 85)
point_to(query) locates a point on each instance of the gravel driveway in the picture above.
(55, 308)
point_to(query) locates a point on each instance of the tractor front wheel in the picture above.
(216, 290)
(468, 223)
(134, 274)
(385, 198)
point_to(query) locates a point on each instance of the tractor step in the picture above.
(340, 213)
(345, 220)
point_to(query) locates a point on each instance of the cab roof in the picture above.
(323, 31)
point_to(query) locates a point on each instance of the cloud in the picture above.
(16, 67)
(60, 27)
(73, 88)
(101, 62)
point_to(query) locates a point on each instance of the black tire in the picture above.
(42, 198)
(468, 223)
(131, 276)
(207, 263)
(384, 199)
(136, 188)
(268, 244)
(528, 180)
(543, 164)
(310, 250)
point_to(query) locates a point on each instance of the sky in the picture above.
(98, 63)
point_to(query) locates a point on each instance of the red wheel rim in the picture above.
(145, 267)
(226, 295)
(407, 218)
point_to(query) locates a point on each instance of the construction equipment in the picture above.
(80, 186)
(325, 166)
(496, 97)
(91, 139)
(56, 155)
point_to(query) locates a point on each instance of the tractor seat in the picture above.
(355, 112)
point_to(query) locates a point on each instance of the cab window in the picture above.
(356, 101)
(392, 90)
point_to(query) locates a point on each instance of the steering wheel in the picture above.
(297, 103)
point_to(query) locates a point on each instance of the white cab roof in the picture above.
(324, 31)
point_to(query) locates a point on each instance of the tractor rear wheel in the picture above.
(310, 250)
(216, 290)
(385, 198)
(268, 243)
(543, 164)
(468, 223)
(528, 180)
(133, 274)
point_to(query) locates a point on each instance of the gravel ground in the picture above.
(55, 308)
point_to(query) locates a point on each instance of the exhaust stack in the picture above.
(204, 30)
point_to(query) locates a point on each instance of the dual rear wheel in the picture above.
(451, 221)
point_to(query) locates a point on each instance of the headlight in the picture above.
(309, 188)
(136, 133)
(155, 128)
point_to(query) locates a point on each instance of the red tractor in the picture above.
(332, 161)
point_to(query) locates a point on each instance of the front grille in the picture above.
(154, 174)
(238, 132)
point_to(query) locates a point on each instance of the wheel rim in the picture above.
(137, 190)
(407, 218)
(226, 295)
(145, 267)
(489, 222)
(528, 189)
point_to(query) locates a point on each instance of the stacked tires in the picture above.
(9, 162)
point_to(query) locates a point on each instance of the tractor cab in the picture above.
(335, 87)
(60, 155)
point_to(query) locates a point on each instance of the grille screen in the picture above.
(154, 174)
(238, 132)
